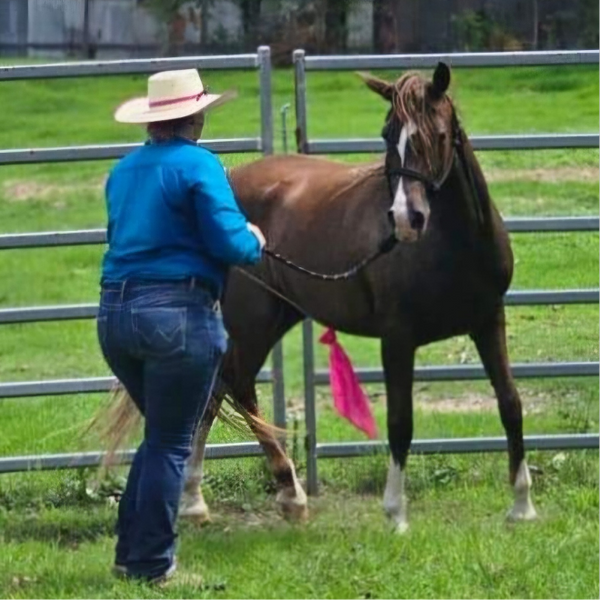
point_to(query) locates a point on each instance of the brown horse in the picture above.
(447, 275)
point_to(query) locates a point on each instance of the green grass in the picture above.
(57, 537)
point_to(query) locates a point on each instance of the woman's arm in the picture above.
(222, 225)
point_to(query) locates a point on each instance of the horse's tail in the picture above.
(118, 422)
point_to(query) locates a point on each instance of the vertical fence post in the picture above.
(266, 137)
(266, 109)
(300, 97)
(310, 412)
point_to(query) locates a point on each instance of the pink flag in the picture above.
(348, 398)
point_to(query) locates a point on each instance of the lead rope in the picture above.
(271, 289)
(384, 248)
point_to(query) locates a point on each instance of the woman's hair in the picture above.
(161, 131)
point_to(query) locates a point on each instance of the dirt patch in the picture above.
(466, 403)
(22, 190)
(553, 175)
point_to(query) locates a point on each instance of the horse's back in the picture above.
(295, 178)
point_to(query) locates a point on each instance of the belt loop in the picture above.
(123, 290)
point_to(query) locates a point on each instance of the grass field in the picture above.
(57, 535)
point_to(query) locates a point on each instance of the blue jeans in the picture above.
(164, 342)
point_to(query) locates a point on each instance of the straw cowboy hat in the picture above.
(171, 95)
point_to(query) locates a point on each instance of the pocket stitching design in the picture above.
(142, 339)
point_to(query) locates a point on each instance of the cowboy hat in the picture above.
(171, 95)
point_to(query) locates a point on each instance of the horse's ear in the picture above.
(441, 80)
(379, 86)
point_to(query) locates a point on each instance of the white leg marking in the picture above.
(394, 499)
(292, 500)
(192, 504)
(522, 509)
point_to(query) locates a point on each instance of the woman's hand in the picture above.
(259, 235)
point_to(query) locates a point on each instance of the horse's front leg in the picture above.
(491, 345)
(193, 506)
(398, 364)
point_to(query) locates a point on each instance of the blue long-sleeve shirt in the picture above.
(172, 215)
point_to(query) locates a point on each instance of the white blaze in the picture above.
(394, 499)
(400, 205)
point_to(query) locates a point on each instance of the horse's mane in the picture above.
(410, 104)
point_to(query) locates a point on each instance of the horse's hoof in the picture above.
(521, 512)
(293, 509)
(298, 513)
(401, 528)
(196, 511)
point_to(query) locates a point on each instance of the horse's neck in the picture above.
(485, 226)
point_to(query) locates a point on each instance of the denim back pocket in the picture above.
(160, 332)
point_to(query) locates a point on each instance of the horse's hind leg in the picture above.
(491, 345)
(291, 498)
(398, 365)
(193, 505)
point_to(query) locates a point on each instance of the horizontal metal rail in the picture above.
(39, 314)
(21, 156)
(324, 450)
(78, 460)
(545, 297)
(462, 445)
(547, 224)
(88, 385)
(67, 312)
(126, 67)
(474, 372)
(459, 59)
(45, 239)
(479, 142)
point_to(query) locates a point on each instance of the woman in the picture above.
(173, 229)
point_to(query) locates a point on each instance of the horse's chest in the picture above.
(447, 297)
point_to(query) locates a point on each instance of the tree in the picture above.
(168, 13)
(336, 25)
(250, 21)
(384, 26)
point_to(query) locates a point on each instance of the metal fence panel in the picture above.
(302, 63)
(261, 61)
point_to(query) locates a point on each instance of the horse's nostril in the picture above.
(417, 220)
(391, 218)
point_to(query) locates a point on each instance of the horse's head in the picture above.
(418, 134)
